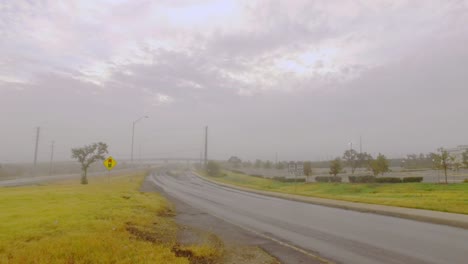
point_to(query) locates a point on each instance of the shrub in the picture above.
(256, 175)
(361, 179)
(321, 178)
(213, 169)
(412, 179)
(465, 181)
(238, 171)
(284, 179)
(328, 179)
(388, 180)
(335, 179)
(281, 179)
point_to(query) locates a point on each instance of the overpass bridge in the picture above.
(165, 160)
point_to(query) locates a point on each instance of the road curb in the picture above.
(434, 217)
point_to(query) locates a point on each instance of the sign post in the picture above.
(109, 163)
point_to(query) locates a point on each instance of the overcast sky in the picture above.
(300, 78)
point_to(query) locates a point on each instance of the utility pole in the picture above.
(201, 157)
(51, 157)
(360, 144)
(139, 154)
(206, 145)
(38, 130)
(133, 137)
(276, 158)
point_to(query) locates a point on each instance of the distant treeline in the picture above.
(412, 161)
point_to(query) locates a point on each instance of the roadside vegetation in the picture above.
(88, 155)
(439, 197)
(108, 221)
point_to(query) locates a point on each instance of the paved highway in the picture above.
(339, 235)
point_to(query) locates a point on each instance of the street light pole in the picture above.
(133, 135)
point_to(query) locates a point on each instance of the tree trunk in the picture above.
(445, 170)
(84, 179)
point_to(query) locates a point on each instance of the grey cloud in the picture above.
(400, 81)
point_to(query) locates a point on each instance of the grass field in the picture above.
(103, 222)
(439, 197)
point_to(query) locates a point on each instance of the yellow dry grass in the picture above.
(103, 222)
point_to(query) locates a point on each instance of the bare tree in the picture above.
(87, 155)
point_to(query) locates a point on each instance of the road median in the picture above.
(435, 217)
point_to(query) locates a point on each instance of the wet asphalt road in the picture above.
(339, 235)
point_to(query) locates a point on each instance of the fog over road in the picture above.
(342, 236)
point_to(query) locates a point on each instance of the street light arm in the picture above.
(134, 122)
(133, 134)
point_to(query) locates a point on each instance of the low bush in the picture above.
(256, 175)
(238, 171)
(213, 169)
(321, 178)
(388, 180)
(412, 170)
(412, 179)
(284, 179)
(465, 181)
(361, 179)
(328, 179)
(335, 179)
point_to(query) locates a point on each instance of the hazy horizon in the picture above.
(297, 78)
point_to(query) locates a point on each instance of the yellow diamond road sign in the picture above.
(110, 163)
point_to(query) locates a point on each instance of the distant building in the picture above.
(457, 152)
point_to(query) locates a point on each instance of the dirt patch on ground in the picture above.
(146, 233)
(191, 255)
(226, 252)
